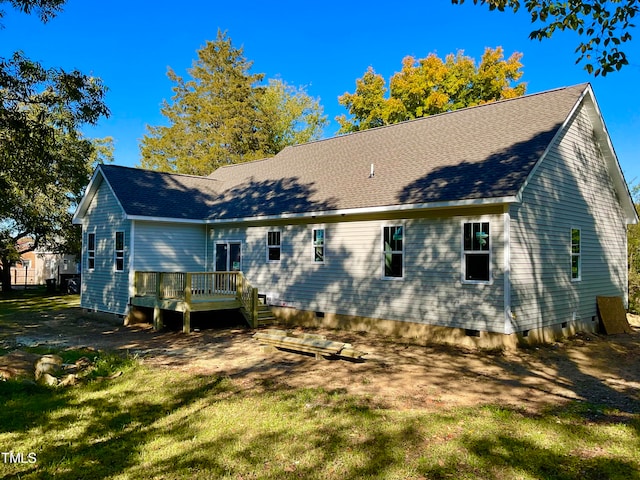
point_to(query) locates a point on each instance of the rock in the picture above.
(83, 363)
(49, 380)
(69, 380)
(17, 364)
(48, 364)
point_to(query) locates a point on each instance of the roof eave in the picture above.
(611, 159)
(613, 165)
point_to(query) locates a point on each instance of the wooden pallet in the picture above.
(308, 343)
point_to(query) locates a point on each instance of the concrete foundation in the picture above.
(423, 333)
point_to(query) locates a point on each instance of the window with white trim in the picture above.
(576, 255)
(91, 251)
(476, 252)
(119, 252)
(273, 246)
(317, 240)
(393, 251)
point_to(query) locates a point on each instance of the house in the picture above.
(485, 225)
(35, 267)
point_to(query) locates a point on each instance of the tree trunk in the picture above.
(5, 275)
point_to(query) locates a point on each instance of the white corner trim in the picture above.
(508, 319)
(132, 232)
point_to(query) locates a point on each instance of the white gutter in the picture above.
(341, 212)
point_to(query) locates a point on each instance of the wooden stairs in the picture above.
(265, 316)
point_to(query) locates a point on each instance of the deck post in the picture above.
(186, 314)
(157, 318)
(254, 307)
(239, 285)
(157, 312)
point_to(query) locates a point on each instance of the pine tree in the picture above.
(223, 115)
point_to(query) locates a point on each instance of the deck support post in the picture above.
(157, 312)
(157, 318)
(186, 314)
(254, 307)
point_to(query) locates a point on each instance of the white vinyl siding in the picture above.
(352, 284)
(570, 188)
(169, 247)
(102, 290)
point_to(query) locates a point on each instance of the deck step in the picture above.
(265, 316)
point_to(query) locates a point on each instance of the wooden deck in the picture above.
(188, 292)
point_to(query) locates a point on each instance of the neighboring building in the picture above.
(36, 267)
(506, 218)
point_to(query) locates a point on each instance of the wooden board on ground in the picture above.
(308, 343)
(613, 315)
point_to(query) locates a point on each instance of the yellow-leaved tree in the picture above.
(430, 85)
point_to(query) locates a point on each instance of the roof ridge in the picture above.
(450, 112)
(230, 165)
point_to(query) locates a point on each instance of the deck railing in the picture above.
(198, 286)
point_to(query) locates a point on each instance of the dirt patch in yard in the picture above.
(595, 368)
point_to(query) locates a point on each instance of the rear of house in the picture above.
(471, 226)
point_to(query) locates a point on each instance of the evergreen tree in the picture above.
(223, 115)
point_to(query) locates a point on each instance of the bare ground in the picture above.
(396, 372)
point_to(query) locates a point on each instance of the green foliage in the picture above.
(603, 26)
(45, 162)
(223, 115)
(291, 116)
(45, 9)
(429, 86)
(633, 249)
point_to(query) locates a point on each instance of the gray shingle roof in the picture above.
(158, 194)
(482, 152)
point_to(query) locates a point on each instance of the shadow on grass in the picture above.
(97, 430)
(147, 424)
(28, 302)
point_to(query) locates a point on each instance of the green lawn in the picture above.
(160, 424)
(22, 303)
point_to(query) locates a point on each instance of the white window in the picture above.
(318, 242)
(273, 246)
(576, 260)
(119, 251)
(476, 252)
(393, 251)
(91, 251)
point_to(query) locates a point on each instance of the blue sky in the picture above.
(324, 46)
